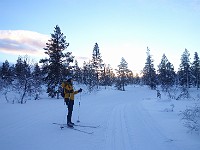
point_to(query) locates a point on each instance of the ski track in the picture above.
(117, 133)
(130, 127)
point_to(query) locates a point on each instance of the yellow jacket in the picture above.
(68, 90)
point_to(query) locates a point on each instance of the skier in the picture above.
(69, 98)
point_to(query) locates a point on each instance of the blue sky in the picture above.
(122, 28)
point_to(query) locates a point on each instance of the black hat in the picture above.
(69, 80)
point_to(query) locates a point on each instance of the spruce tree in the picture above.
(97, 63)
(166, 74)
(149, 73)
(185, 74)
(57, 66)
(122, 75)
(6, 73)
(196, 70)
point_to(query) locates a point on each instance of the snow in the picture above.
(129, 120)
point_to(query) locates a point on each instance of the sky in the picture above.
(122, 28)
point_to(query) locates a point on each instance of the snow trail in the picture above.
(130, 127)
(117, 137)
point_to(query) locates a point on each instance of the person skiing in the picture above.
(69, 98)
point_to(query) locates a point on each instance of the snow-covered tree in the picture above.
(166, 74)
(57, 66)
(196, 70)
(185, 74)
(22, 80)
(22, 69)
(36, 81)
(107, 76)
(149, 73)
(6, 73)
(122, 75)
(6, 78)
(97, 63)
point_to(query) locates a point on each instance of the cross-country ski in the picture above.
(87, 126)
(73, 128)
(79, 125)
(62, 126)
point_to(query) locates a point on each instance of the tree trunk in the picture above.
(24, 92)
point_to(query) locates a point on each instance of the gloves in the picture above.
(80, 90)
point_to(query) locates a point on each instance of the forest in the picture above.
(28, 79)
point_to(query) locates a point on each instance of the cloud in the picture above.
(22, 42)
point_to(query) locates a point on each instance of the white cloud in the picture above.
(22, 42)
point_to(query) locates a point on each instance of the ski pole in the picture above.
(65, 116)
(79, 108)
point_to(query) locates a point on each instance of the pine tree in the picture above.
(166, 74)
(122, 75)
(185, 74)
(57, 66)
(196, 70)
(149, 74)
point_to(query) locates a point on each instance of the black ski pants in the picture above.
(70, 109)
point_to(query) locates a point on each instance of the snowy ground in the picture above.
(131, 120)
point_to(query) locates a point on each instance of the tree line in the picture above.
(27, 79)
(188, 74)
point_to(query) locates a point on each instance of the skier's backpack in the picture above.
(62, 93)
